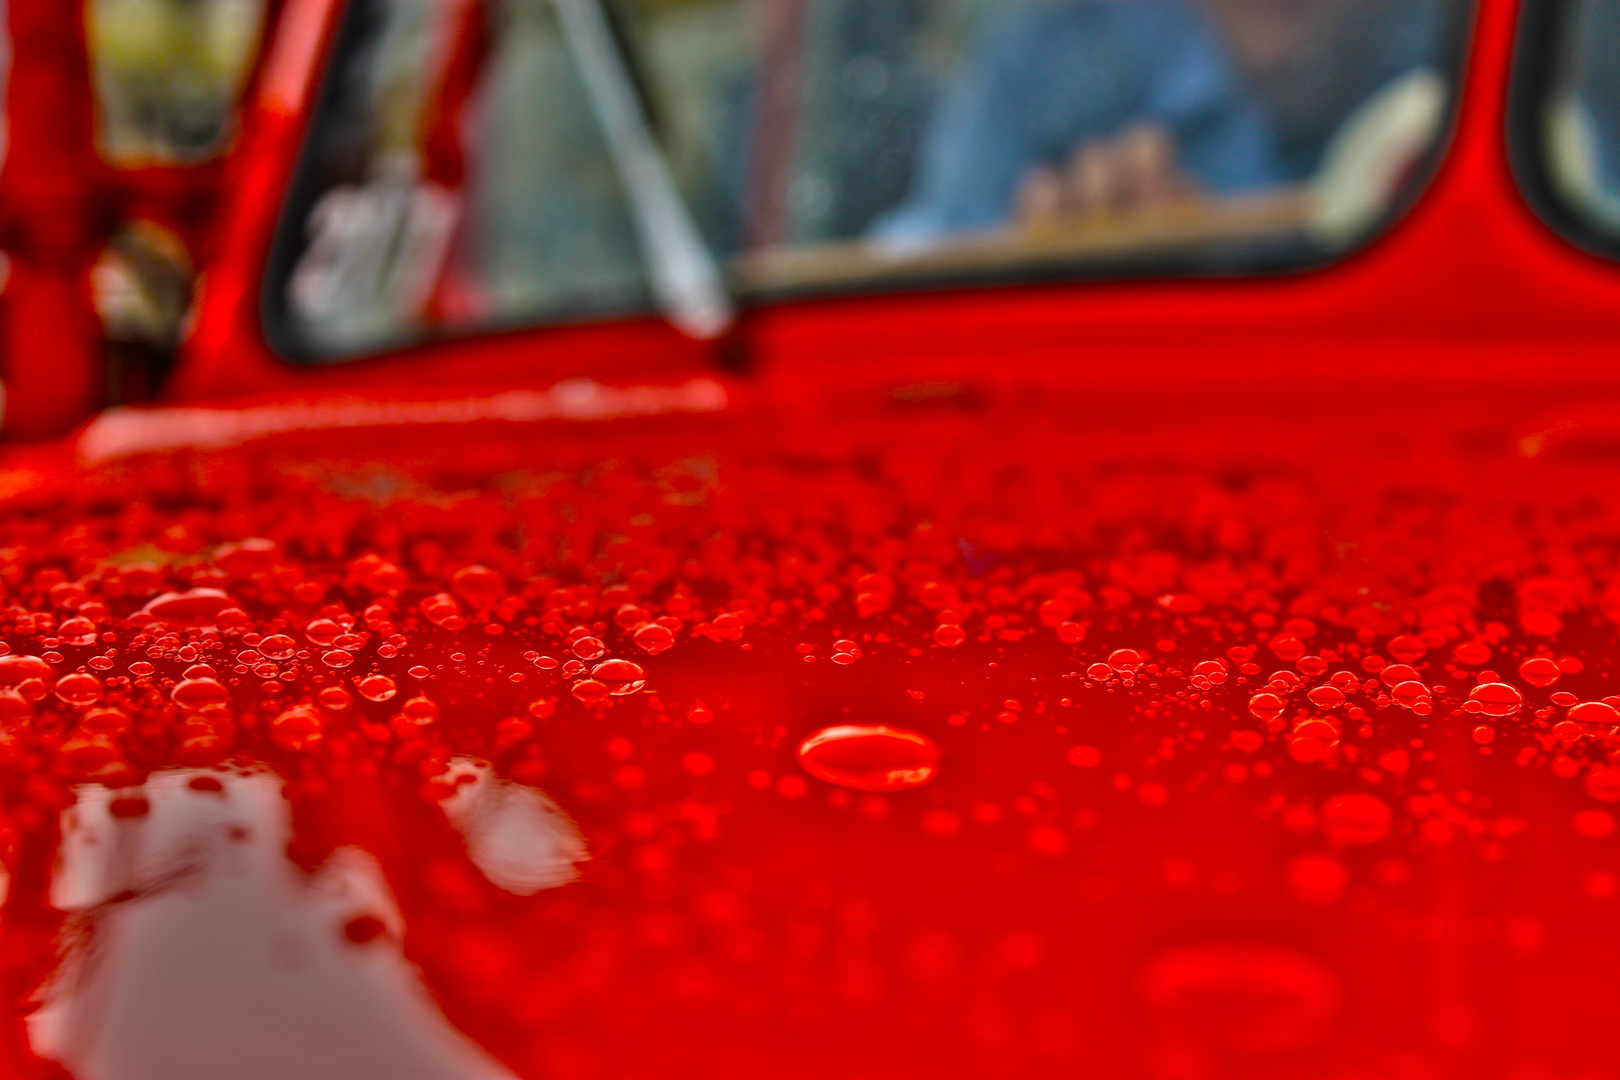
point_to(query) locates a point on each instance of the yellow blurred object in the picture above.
(168, 74)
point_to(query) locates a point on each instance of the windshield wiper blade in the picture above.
(685, 280)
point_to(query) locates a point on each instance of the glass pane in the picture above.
(168, 74)
(1581, 114)
(461, 178)
(464, 175)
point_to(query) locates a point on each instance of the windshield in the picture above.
(470, 164)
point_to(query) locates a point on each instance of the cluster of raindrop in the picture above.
(229, 628)
(1002, 653)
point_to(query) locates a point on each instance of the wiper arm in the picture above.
(686, 282)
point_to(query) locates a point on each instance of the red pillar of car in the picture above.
(52, 206)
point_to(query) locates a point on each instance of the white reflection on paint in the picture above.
(515, 835)
(198, 950)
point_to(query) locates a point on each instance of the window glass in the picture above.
(485, 162)
(167, 74)
(1576, 116)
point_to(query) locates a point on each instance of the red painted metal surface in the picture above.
(51, 189)
(1159, 679)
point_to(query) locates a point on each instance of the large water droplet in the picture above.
(86, 757)
(376, 688)
(322, 632)
(442, 610)
(1395, 674)
(1409, 694)
(590, 691)
(1407, 648)
(870, 757)
(199, 693)
(1265, 706)
(78, 689)
(77, 632)
(279, 647)
(651, 639)
(105, 721)
(193, 604)
(17, 669)
(1498, 699)
(1326, 696)
(621, 677)
(299, 728)
(1540, 671)
(479, 586)
(1587, 712)
(1126, 660)
(420, 710)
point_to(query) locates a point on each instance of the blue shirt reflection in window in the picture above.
(1059, 75)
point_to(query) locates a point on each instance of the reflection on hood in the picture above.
(197, 949)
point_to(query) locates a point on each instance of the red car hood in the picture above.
(1124, 778)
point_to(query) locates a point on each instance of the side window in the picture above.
(482, 163)
(1565, 118)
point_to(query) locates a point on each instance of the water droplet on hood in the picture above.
(870, 757)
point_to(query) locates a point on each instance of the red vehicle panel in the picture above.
(1172, 678)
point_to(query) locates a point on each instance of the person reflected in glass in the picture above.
(1092, 107)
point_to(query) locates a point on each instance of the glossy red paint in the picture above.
(1147, 840)
(1246, 651)
(51, 188)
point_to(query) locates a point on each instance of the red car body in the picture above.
(1132, 567)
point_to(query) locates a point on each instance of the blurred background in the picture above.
(476, 163)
